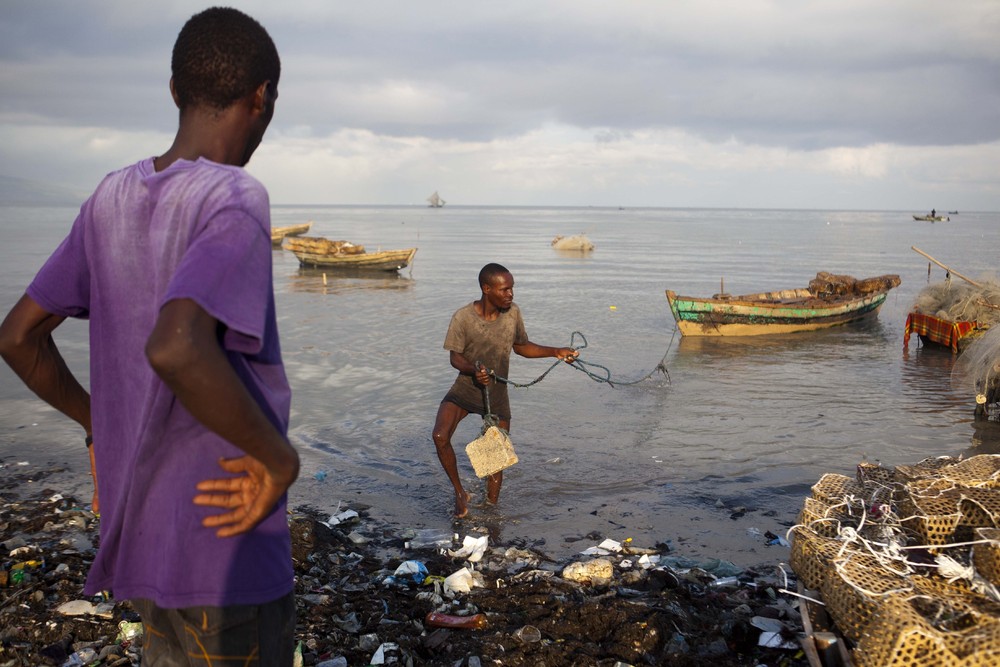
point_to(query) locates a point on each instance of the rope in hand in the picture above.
(585, 367)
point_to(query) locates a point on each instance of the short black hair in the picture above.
(489, 272)
(220, 56)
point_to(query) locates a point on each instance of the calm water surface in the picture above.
(750, 422)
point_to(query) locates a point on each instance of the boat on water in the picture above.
(931, 218)
(829, 300)
(435, 200)
(278, 234)
(323, 253)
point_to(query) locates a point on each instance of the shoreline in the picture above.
(677, 611)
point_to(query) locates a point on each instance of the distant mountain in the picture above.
(22, 192)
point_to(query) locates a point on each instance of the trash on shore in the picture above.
(657, 612)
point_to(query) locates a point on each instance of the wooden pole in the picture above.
(949, 270)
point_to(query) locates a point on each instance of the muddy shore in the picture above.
(628, 605)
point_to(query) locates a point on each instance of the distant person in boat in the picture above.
(170, 260)
(484, 331)
(933, 213)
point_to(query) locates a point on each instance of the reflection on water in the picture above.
(985, 437)
(319, 281)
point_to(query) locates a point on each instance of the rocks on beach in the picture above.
(367, 593)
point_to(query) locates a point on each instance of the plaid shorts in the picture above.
(218, 636)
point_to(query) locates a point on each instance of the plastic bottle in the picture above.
(430, 537)
(439, 620)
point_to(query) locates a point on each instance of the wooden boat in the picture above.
(828, 301)
(341, 255)
(278, 234)
(931, 218)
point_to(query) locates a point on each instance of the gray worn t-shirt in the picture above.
(477, 339)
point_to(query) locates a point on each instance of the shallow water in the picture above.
(750, 422)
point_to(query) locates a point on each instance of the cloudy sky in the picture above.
(844, 104)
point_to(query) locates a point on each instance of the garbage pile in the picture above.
(367, 593)
(318, 245)
(907, 560)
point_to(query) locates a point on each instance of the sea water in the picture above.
(705, 459)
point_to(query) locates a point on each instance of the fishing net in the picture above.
(961, 301)
(907, 560)
(977, 370)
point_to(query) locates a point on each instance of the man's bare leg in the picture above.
(448, 417)
(495, 481)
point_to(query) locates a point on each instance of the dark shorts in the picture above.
(218, 636)
(499, 405)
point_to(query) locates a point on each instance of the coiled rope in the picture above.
(587, 367)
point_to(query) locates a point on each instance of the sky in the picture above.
(841, 104)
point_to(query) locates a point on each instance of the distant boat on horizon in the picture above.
(435, 200)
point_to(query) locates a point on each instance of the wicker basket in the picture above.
(920, 631)
(491, 452)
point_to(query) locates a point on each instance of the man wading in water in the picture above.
(484, 331)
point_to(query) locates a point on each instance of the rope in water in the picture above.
(586, 366)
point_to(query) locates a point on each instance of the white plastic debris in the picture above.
(605, 548)
(458, 582)
(472, 549)
(76, 608)
(337, 519)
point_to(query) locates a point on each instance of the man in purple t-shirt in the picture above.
(170, 260)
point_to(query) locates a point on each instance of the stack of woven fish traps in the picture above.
(907, 560)
(826, 285)
(317, 245)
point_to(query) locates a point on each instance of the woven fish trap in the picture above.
(929, 467)
(881, 485)
(856, 586)
(930, 512)
(981, 471)
(833, 488)
(986, 556)
(812, 556)
(877, 284)
(959, 596)
(822, 518)
(980, 508)
(920, 631)
(491, 452)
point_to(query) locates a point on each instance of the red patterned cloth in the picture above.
(942, 332)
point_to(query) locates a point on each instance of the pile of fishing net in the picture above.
(961, 301)
(907, 560)
(978, 369)
(317, 245)
(830, 284)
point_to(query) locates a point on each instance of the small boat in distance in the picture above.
(931, 218)
(435, 200)
(828, 301)
(319, 252)
(278, 234)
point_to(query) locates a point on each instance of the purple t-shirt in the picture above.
(201, 231)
